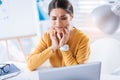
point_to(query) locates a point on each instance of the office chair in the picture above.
(106, 50)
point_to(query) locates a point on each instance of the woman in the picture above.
(63, 45)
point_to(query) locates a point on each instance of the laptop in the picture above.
(89, 71)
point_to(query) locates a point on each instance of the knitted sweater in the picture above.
(78, 53)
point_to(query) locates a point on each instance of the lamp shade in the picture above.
(105, 19)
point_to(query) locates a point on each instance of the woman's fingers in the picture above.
(53, 36)
(52, 32)
(65, 32)
(59, 36)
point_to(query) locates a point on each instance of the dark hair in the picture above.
(64, 4)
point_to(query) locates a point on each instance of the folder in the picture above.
(13, 71)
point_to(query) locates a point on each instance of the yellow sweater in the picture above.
(78, 54)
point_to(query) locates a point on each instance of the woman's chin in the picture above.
(59, 31)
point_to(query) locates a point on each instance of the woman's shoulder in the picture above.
(46, 35)
(81, 33)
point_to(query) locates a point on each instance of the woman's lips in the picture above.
(59, 27)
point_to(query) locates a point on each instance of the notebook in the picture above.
(14, 70)
(89, 71)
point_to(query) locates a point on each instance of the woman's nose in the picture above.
(58, 22)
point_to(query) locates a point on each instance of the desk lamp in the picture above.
(107, 17)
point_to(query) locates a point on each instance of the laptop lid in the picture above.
(89, 71)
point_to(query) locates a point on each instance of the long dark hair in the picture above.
(64, 4)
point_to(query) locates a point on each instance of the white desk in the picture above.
(33, 75)
(110, 77)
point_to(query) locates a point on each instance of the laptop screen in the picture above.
(89, 71)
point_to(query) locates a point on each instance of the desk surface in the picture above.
(33, 75)
(109, 77)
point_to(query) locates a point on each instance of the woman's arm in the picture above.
(82, 53)
(40, 54)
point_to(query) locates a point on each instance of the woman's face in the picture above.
(60, 19)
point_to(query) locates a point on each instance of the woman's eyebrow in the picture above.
(60, 16)
(63, 16)
(53, 16)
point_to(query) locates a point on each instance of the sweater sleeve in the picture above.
(39, 55)
(68, 58)
(82, 53)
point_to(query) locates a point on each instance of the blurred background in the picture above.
(103, 43)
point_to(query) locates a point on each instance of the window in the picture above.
(82, 9)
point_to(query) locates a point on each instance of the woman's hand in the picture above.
(53, 36)
(65, 37)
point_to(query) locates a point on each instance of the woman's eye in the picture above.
(53, 18)
(63, 18)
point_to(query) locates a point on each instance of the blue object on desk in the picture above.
(13, 70)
